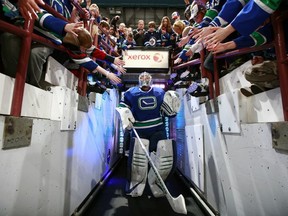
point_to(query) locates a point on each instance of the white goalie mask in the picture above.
(145, 79)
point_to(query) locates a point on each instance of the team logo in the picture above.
(158, 57)
(147, 103)
(152, 41)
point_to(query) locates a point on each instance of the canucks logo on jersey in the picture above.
(147, 103)
(145, 107)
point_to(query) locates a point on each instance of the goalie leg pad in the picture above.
(139, 168)
(163, 160)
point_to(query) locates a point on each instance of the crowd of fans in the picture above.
(215, 26)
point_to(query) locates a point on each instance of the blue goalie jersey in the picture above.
(146, 107)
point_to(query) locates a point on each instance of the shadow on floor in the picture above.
(112, 200)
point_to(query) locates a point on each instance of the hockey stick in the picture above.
(178, 203)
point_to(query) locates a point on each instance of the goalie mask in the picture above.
(145, 79)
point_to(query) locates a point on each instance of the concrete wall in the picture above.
(238, 171)
(57, 165)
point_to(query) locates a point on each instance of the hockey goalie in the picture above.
(143, 108)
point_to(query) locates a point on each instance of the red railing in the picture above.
(280, 48)
(282, 62)
(231, 54)
(27, 35)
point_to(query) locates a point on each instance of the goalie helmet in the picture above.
(145, 79)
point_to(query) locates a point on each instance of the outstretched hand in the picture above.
(184, 40)
(202, 33)
(121, 69)
(112, 77)
(73, 28)
(178, 61)
(219, 35)
(29, 8)
(215, 37)
(118, 61)
(221, 47)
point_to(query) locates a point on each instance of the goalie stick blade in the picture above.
(177, 204)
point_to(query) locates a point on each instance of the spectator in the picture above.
(103, 33)
(176, 17)
(139, 33)
(187, 13)
(152, 37)
(95, 17)
(11, 45)
(112, 35)
(94, 12)
(128, 43)
(80, 48)
(70, 32)
(178, 28)
(263, 35)
(122, 29)
(187, 2)
(209, 15)
(128, 30)
(241, 19)
(212, 10)
(198, 12)
(103, 36)
(121, 34)
(165, 30)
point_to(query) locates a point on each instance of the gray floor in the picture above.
(112, 200)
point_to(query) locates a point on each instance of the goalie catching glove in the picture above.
(171, 103)
(126, 117)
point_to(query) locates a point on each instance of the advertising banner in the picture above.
(147, 59)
